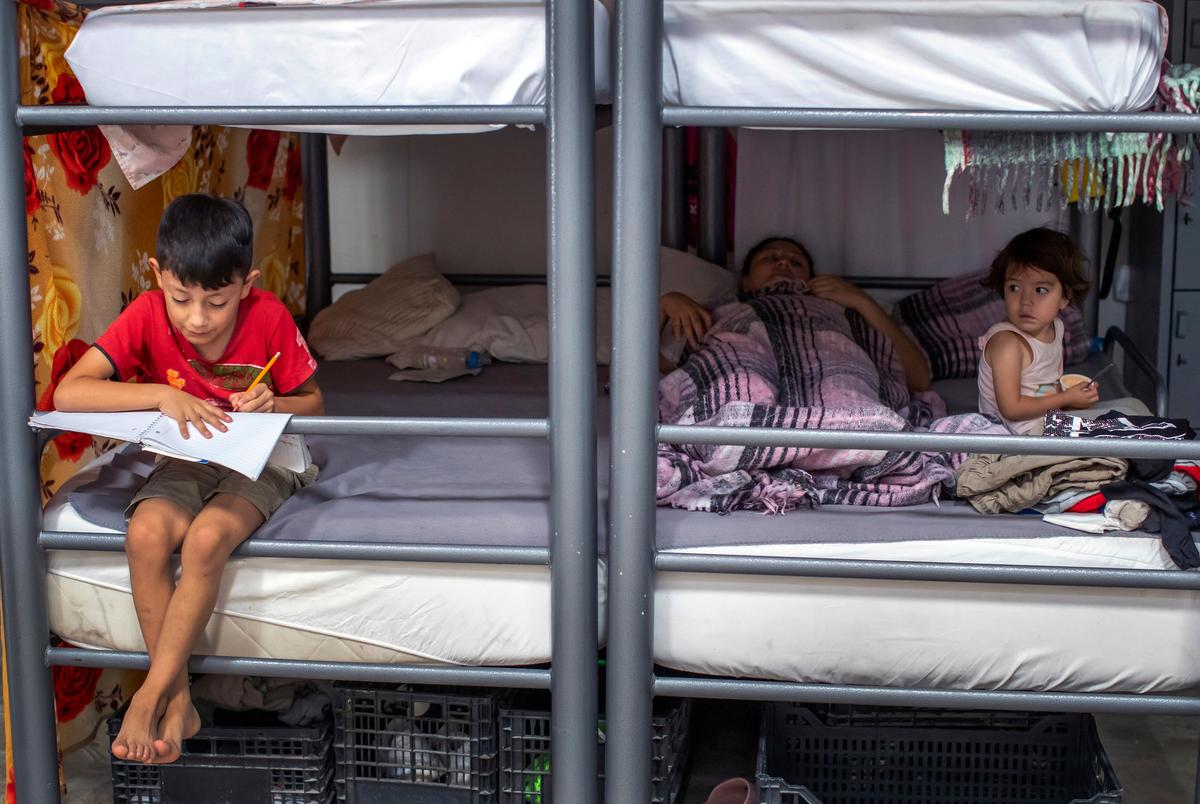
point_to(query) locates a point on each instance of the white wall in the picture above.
(477, 200)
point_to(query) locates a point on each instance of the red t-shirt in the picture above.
(142, 345)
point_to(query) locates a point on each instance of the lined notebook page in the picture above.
(123, 426)
(244, 448)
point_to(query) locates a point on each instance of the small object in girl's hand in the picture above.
(1071, 380)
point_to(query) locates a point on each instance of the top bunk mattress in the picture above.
(332, 52)
(986, 55)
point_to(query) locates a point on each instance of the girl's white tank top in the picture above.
(1038, 378)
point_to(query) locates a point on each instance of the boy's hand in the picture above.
(183, 408)
(1081, 396)
(259, 399)
(687, 318)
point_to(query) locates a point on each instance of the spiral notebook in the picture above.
(252, 441)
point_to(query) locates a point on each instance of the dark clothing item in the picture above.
(1170, 517)
(1117, 425)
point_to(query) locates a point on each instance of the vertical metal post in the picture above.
(22, 564)
(314, 169)
(712, 245)
(674, 204)
(636, 209)
(570, 132)
(1087, 229)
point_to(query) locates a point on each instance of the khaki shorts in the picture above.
(191, 485)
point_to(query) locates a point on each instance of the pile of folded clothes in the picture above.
(1096, 495)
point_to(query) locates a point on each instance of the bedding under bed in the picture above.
(333, 52)
(494, 492)
(1004, 55)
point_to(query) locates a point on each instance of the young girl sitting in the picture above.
(1037, 274)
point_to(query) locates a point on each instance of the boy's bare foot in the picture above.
(179, 722)
(135, 741)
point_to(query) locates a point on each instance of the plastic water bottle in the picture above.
(434, 357)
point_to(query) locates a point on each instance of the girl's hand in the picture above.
(839, 291)
(1081, 396)
(259, 399)
(184, 408)
(686, 318)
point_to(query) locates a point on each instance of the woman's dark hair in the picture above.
(762, 244)
(204, 240)
(1047, 250)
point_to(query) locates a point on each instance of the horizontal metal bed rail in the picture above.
(349, 551)
(403, 425)
(768, 117)
(470, 280)
(514, 677)
(750, 690)
(927, 442)
(50, 116)
(1118, 337)
(926, 571)
(417, 425)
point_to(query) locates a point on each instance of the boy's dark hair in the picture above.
(1047, 249)
(766, 241)
(205, 240)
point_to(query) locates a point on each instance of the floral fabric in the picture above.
(90, 238)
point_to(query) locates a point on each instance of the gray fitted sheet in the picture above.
(496, 490)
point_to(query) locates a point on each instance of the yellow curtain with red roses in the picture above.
(90, 237)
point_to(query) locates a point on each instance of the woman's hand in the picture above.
(840, 291)
(259, 399)
(184, 408)
(687, 318)
(1081, 396)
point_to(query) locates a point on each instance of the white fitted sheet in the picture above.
(332, 52)
(822, 630)
(1029, 55)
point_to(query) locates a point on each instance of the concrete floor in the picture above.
(1154, 757)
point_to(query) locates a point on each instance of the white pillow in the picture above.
(686, 273)
(401, 304)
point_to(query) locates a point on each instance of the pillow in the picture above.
(948, 319)
(402, 303)
(686, 273)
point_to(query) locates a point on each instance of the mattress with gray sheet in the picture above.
(417, 489)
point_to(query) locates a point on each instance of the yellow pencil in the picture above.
(262, 373)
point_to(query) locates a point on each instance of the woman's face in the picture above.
(779, 261)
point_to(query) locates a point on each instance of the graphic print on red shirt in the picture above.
(143, 345)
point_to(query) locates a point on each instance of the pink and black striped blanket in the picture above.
(781, 358)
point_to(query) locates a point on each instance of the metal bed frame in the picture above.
(632, 683)
(569, 118)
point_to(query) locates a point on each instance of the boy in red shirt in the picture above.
(192, 347)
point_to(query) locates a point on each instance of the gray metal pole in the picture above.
(636, 207)
(273, 116)
(22, 564)
(571, 252)
(314, 164)
(712, 245)
(674, 205)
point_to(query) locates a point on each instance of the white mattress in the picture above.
(1031, 55)
(331, 52)
(838, 631)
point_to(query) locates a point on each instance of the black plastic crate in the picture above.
(837, 754)
(525, 749)
(245, 758)
(417, 745)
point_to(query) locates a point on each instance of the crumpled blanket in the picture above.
(782, 358)
(1009, 483)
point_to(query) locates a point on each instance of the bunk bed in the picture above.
(635, 604)
(696, 40)
(558, 92)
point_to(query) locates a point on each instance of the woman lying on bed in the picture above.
(798, 352)
(782, 259)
